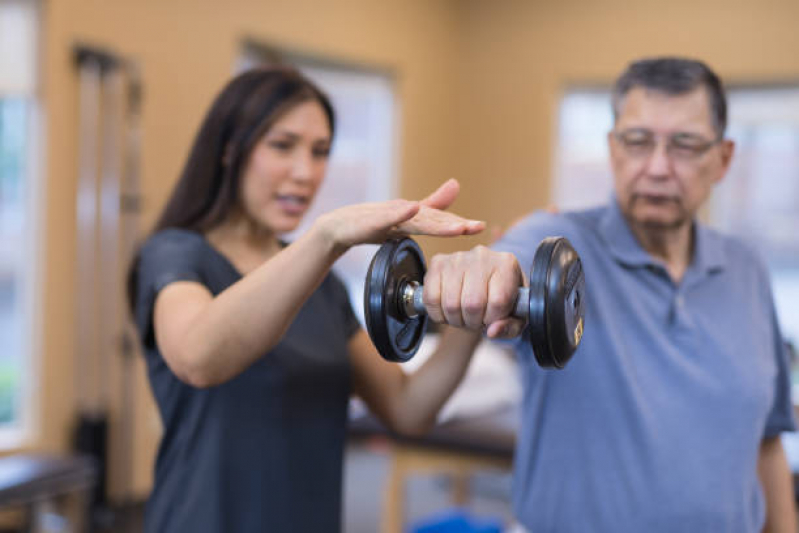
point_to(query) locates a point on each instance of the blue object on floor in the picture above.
(457, 521)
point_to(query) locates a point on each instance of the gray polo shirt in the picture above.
(656, 423)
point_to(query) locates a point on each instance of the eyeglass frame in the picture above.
(693, 153)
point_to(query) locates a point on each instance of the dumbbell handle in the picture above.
(413, 303)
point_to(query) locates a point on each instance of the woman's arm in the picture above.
(208, 340)
(409, 403)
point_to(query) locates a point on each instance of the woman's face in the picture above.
(286, 167)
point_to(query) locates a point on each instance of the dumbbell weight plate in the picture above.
(557, 302)
(396, 336)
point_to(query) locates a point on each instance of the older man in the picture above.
(668, 418)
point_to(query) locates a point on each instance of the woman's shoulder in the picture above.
(173, 250)
(174, 237)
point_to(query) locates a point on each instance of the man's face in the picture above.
(666, 157)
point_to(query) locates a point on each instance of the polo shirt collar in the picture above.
(613, 227)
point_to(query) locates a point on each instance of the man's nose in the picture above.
(659, 162)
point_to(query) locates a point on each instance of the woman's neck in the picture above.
(246, 244)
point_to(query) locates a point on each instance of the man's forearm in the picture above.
(775, 476)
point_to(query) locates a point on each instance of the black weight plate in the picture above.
(557, 302)
(396, 336)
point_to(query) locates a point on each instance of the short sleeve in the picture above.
(522, 239)
(168, 256)
(341, 301)
(781, 417)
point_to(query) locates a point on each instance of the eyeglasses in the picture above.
(640, 142)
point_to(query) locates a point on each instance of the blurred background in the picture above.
(99, 102)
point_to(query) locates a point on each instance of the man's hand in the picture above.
(474, 290)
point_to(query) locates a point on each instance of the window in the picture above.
(362, 163)
(582, 169)
(18, 210)
(758, 200)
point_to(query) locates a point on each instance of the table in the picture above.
(48, 485)
(457, 448)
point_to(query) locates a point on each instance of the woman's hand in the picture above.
(373, 223)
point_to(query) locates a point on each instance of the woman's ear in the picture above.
(227, 155)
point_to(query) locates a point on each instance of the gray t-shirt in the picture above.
(656, 423)
(264, 451)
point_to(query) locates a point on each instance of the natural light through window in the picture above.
(18, 216)
(758, 200)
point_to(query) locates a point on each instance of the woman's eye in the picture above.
(321, 152)
(280, 145)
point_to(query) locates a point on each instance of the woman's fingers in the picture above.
(444, 196)
(375, 222)
(429, 221)
(394, 212)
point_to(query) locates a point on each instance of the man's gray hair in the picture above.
(673, 76)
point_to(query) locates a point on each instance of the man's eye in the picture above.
(637, 142)
(686, 147)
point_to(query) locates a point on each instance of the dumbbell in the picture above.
(553, 305)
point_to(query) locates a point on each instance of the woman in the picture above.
(251, 344)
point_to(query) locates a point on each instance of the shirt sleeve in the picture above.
(781, 417)
(523, 238)
(167, 257)
(341, 301)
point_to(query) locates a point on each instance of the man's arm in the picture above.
(775, 476)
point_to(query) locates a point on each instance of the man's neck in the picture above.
(674, 246)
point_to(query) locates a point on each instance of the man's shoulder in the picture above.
(579, 227)
(575, 224)
(737, 253)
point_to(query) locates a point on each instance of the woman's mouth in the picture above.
(292, 204)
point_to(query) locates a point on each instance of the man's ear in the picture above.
(611, 144)
(613, 147)
(727, 151)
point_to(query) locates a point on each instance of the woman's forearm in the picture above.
(426, 391)
(251, 316)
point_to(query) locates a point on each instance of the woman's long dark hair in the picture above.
(208, 189)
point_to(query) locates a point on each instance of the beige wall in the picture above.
(478, 83)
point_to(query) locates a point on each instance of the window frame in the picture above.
(26, 427)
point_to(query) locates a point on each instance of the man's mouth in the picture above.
(656, 198)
